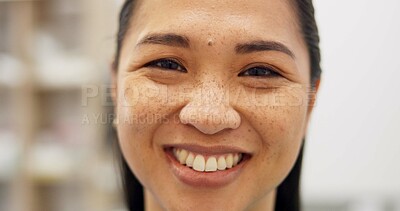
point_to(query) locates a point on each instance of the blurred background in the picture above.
(56, 145)
(56, 149)
(352, 155)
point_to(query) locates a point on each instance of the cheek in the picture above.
(278, 116)
(142, 107)
(280, 127)
(137, 113)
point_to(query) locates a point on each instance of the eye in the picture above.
(260, 71)
(166, 64)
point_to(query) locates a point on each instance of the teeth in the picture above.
(190, 160)
(182, 156)
(211, 164)
(235, 159)
(199, 163)
(221, 163)
(229, 161)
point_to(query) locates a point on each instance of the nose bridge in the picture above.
(209, 109)
(212, 92)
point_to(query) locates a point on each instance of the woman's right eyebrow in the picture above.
(169, 39)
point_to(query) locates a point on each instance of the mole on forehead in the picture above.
(210, 42)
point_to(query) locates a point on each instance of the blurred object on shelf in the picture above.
(58, 68)
(50, 162)
(9, 153)
(11, 71)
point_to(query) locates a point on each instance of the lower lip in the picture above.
(204, 179)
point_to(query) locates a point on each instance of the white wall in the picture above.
(353, 145)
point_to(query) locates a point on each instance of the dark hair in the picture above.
(288, 194)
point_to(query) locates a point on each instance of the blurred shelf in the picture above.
(51, 51)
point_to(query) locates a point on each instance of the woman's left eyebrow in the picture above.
(263, 45)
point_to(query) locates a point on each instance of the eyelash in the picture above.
(172, 64)
(260, 71)
(166, 64)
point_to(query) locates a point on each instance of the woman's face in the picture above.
(212, 101)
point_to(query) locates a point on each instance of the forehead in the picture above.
(273, 18)
(224, 22)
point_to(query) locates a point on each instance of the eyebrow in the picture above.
(176, 40)
(170, 39)
(262, 45)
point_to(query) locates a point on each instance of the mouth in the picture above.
(201, 163)
(206, 167)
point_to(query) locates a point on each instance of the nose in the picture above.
(210, 115)
(210, 119)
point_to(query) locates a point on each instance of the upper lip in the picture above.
(216, 149)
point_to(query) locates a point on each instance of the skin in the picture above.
(269, 114)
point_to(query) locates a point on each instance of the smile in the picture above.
(207, 163)
(206, 167)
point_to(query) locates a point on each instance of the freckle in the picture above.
(249, 130)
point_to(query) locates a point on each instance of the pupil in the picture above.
(258, 71)
(169, 65)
